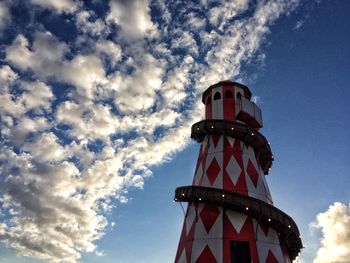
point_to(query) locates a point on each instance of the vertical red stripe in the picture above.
(228, 103)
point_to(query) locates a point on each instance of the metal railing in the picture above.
(237, 130)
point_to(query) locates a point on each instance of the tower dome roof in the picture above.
(247, 92)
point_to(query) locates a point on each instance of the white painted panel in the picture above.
(248, 106)
(217, 109)
(183, 259)
(258, 114)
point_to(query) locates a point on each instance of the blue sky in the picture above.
(96, 104)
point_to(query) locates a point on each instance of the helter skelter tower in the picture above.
(230, 216)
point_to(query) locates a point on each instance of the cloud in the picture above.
(37, 95)
(137, 91)
(46, 59)
(87, 22)
(335, 228)
(61, 6)
(196, 23)
(133, 17)
(299, 24)
(82, 119)
(5, 14)
(43, 57)
(220, 15)
(185, 41)
(46, 148)
(7, 75)
(19, 97)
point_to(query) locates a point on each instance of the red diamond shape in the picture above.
(253, 174)
(216, 139)
(213, 171)
(271, 258)
(265, 228)
(209, 215)
(206, 256)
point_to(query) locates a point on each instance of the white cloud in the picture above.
(46, 148)
(196, 23)
(46, 58)
(100, 253)
(5, 14)
(335, 227)
(8, 104)
(24, 127)
(109, 50)
(7, 75)
(133, 17)
(36, 95)
(220, 15)
(185, 41)
(173, 90)
(137, 91)
(299, 24)
(85, 72)
(93, 121)
(43, 57)
(66, 6)
(85, 21)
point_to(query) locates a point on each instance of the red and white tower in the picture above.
(230, 216)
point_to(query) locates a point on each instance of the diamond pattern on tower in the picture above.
(237, 220)
(204, 145)
(198, 175)
(271, 258)
(253, 173)
(206, 256)
(190, 217)
(265, 228)
(182, 258)
(230, 140)
(213, 171)
(209, 214)
(216, 139)
(233, 170)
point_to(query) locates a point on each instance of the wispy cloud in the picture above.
(84, 119)
(299, 24)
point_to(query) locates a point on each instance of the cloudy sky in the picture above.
(96, 103)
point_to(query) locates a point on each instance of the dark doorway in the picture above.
(240, 252)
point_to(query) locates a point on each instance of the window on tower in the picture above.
(217, 96)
